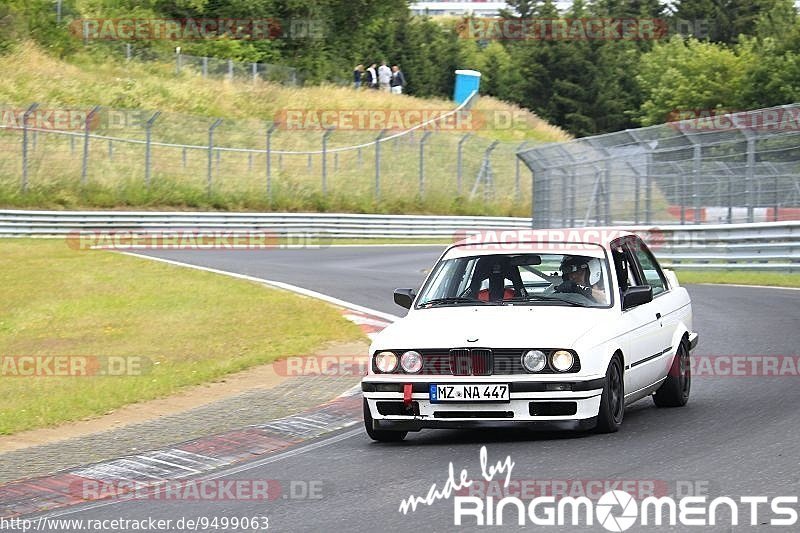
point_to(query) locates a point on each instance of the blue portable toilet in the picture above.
(467, 82)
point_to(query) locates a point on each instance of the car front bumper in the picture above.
(558, 403)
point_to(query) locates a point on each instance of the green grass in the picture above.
(189, 326)
(775, 279)
(188, 100)
(129, 92)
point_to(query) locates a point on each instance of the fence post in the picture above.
(648, 192)
(205, 67)
(697, 158)
(517, 190)
(110, 150)
(211, 154)
(128, 54)
(459, 162)
(485, 174)
(637, 185)
(777, 203)
(749, 176)
(270, 131)
(178, 61)
(230, 69)
(25, 116)
(148, 127)
(572, 194)
(378, 164)
(255, 72)
(683, 197)
(539, 192)
(607, 192)
(85, 165)
(563, 196)
(422, 141)
(328, 132)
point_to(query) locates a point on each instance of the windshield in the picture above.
(518, 279)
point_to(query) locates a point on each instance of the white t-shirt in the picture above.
(384, 74)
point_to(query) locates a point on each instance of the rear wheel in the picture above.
(380, 435)
(674, 392)
(612, 401)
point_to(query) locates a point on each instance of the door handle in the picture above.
(658, 316)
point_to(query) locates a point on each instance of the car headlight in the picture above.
(386, 362)
(411, 362)
(534, 360)
(562, 360)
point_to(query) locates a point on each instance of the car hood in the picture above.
(540, 326)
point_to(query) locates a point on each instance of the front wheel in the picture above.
(674, 392)
(380, 435)
(612, 401)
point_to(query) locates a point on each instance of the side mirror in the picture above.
(404, 297)
(637, 295)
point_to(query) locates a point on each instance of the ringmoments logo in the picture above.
(615, 510)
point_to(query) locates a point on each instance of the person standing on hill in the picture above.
(357, 74)
(384, 76)
(398, 80)
(372, 77)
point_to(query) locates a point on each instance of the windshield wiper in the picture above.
(453, 300)
(539, 297)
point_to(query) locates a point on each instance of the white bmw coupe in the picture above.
(562, 327)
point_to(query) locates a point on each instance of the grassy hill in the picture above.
(190, 103)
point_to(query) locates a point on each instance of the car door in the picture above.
(665, 306)
(641, 339)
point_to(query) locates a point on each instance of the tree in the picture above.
(684, 75)
(721, 20)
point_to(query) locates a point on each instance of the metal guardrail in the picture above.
(759, 246)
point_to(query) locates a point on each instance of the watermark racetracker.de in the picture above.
(192, 239)
(43, 366)
(363, 119)
(563, 29)
(786, 120)
(195, 29)
(214, 490)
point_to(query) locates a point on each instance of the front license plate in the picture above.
(480, 392)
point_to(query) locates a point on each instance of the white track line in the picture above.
(747, 286)
(278, 284)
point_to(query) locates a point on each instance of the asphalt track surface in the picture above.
(736, 437)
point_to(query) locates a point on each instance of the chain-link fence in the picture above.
(214, 67)
(738, 167)
(47, 149)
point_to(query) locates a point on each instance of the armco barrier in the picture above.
(758, 246)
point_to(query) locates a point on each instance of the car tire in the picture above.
(612, 401)
(674, 392)
(380, 435)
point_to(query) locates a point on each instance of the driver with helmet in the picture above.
(582, 275)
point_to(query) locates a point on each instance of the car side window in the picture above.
(653, 275)
(623, 266)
